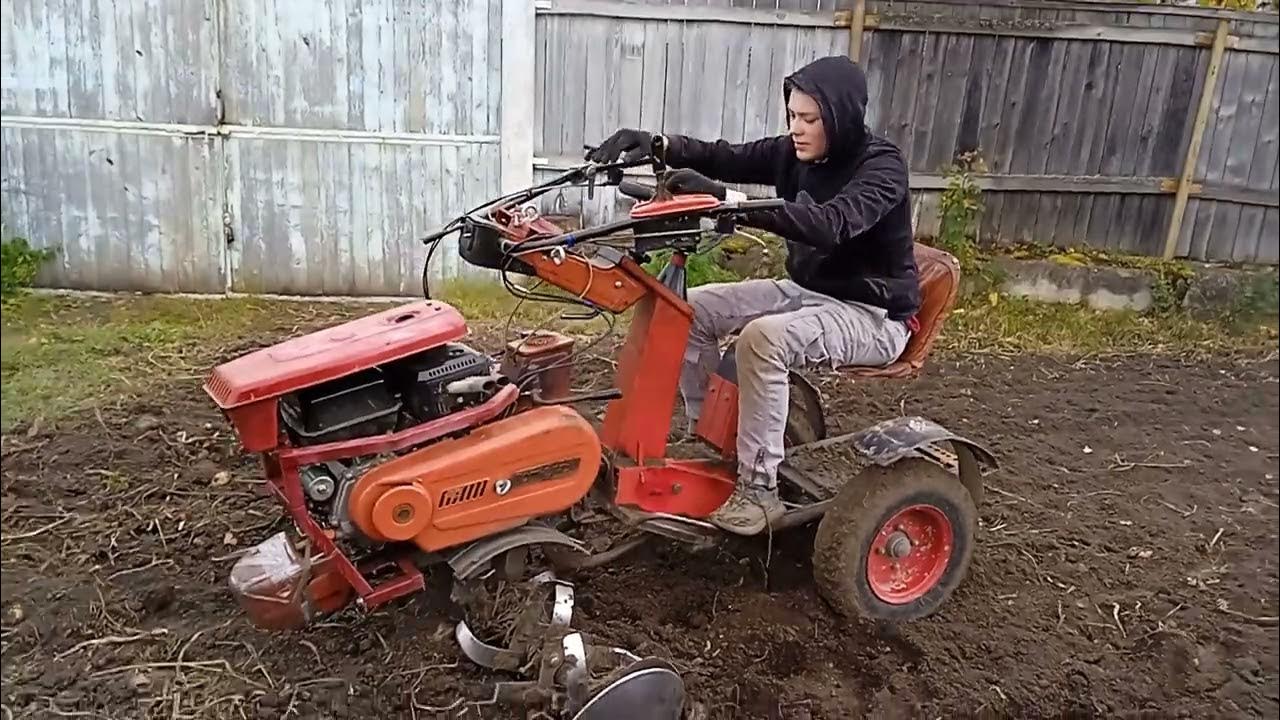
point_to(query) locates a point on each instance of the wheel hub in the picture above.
(898, 545)
(910, 554)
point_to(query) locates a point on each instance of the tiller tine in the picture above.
(564, 663)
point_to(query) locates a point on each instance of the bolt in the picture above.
(403, 514)
(617, 284)
(676, 488)
(898, 545)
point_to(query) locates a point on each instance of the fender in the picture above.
(887, 442)
(473, 558)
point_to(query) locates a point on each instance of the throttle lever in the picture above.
(658, 151)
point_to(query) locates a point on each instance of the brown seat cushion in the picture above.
(939, 273)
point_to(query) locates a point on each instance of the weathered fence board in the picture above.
(109, 59)
(247, 145)
(1058, 105)
(345, 219)
(127, 211)
(378, 65)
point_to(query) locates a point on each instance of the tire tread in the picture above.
(854, 517)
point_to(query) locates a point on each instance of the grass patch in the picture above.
(57, 353)
(60, 355)
(1013, 324)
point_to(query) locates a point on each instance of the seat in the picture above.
(939, 273)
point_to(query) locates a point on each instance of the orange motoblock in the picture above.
(393, 445)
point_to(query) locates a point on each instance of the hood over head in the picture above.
(840, 88)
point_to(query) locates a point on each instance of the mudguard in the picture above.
(475, 557)
(887, 442)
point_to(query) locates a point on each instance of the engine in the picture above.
(386, 433)
(381, 399)
(391, 397)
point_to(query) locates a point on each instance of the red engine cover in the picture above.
(334, 352)
(247, 388)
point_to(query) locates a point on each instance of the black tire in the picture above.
(846, 534)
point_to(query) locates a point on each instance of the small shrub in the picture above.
(1231, 4)
(961, 208)
(757, 255)
(1170, 281)
(700, 269)
(19, 265)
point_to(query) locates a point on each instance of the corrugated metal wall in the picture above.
(137, 210)
(250, 145)
(1058, 120)
(416, 85)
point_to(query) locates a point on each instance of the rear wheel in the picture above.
(896, 542)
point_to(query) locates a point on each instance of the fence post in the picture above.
(518, 88)
(1197, 137)
(856, 21)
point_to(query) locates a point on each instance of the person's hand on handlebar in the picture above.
(690, 182)
(636, 144)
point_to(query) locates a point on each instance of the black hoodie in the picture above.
(847, 219)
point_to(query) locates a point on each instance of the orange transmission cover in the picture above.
(498, 476)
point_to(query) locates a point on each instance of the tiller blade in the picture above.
(569, 674)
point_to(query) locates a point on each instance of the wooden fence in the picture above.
(263, 146)
(1147, 129)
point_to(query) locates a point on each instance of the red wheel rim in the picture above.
(909, 554)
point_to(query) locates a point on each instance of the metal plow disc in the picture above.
(647, 690)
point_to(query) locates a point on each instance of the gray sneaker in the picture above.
(748, 511)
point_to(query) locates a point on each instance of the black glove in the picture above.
(689, 182)
(635, 143)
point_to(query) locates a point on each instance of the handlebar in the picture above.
(571, 238)
(580, 173)
(587, 173)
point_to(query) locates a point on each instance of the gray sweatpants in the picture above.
(782, 326)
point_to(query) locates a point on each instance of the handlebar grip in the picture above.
(636, 190)
(762, 204)
(440, 234)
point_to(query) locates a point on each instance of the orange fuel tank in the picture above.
(536, 463)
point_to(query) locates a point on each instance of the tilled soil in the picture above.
(1125, 563)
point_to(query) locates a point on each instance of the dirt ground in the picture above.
(1125, 564)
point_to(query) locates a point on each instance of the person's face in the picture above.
(805, 126)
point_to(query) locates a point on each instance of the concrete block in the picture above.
(1220, 291)
(1104, 288)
